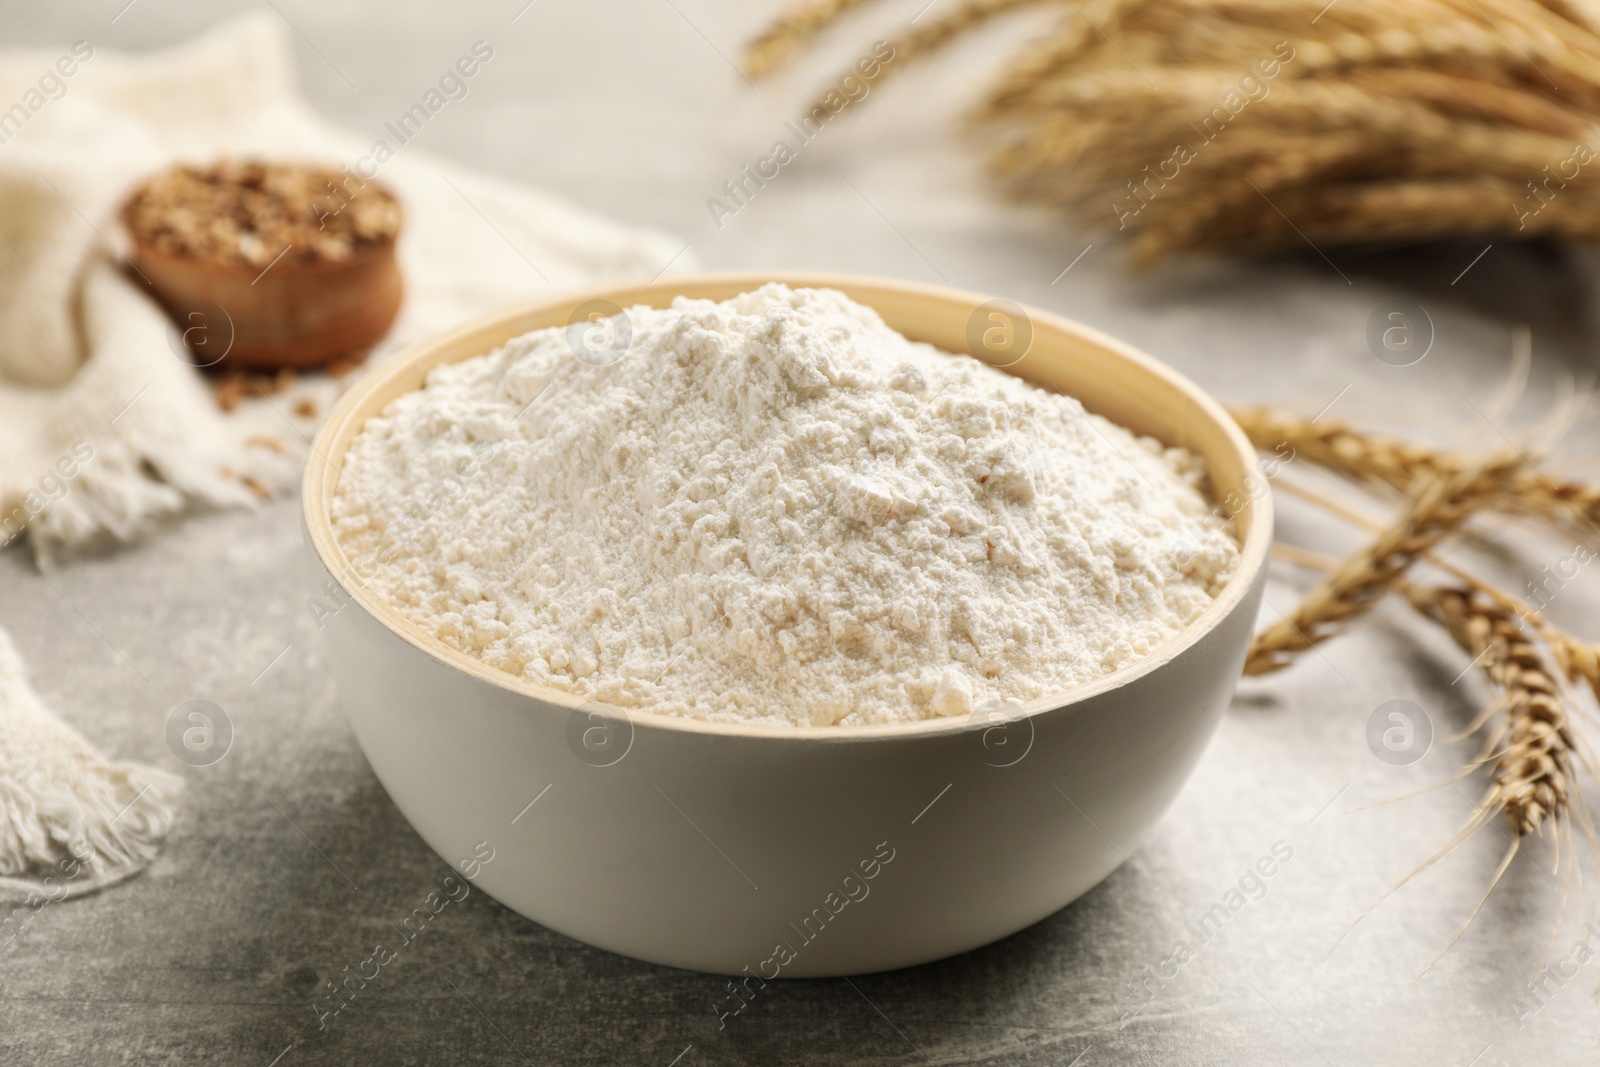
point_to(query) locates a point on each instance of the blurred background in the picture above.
(287, 855)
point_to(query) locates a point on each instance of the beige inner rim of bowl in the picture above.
(1109, 377)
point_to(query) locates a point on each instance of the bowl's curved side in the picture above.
(738, 849)
(773, 856)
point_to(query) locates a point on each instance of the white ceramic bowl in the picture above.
(796, 852)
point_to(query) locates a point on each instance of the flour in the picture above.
(776, 509)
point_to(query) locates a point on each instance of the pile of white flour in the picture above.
(776, 509)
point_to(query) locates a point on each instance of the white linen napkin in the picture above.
(105, 432)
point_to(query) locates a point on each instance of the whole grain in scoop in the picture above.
(249, 212)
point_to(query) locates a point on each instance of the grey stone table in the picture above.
(290, 861)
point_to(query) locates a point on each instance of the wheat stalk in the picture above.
(1579, 660)
(1377, 460)
(1533, 747)
(1501, 631)
(1444, 502)
(1534, 770)
(792, 30)
(1360, 121)
(1366, 457)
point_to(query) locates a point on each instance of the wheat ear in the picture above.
(1439, 508)
(1579, 660)
(1377, 460)
(792, 30)
(1533, 773)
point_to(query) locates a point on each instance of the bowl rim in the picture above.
(1253, 520)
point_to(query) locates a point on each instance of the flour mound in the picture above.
(776, 509)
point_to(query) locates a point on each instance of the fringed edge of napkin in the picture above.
(71, 820)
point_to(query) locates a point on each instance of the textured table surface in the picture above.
(631, 107)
